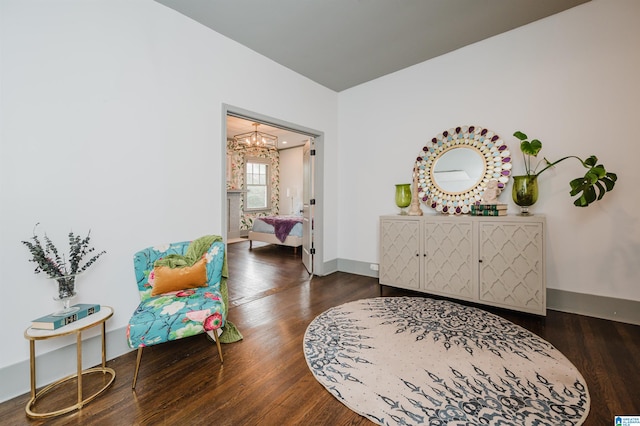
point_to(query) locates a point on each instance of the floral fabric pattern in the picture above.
(238, 153)
(174, 315)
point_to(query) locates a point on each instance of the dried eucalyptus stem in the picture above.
(49, 261)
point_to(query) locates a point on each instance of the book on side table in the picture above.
(53, 322)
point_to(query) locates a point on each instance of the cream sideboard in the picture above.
(497, 261)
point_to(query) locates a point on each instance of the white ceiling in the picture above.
(342, 43)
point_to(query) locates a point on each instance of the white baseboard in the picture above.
(609, 308)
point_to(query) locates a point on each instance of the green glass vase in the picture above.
(525, 192)
(403, 196)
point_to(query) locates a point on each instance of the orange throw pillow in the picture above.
(176, 279)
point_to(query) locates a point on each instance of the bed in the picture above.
(281, 230)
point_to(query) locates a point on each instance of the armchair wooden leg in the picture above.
(135, 374)
(214, 335)
(219, 350)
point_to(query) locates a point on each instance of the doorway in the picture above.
(294, 135)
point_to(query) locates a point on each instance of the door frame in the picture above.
(318, 176)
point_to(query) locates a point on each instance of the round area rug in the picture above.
(412, 360)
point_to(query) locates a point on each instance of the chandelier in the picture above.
(257, 139)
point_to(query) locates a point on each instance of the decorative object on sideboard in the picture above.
(499, 209)
(491, 192)
(455, 167)
(64, 271)
(403, 196)
(415, 209)
(590, 188)
(525, 192)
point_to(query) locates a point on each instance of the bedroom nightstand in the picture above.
(33, 334)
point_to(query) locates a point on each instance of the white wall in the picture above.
(570, 80)
(111, 115)
(112, 121)
(291, 179)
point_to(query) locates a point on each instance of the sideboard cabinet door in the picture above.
(449, 264)
(399, 252)
(512, 267)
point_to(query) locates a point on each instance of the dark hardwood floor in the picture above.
(265, 379)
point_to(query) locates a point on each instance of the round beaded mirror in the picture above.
(454, 168)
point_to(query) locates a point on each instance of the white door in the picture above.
(308, 201)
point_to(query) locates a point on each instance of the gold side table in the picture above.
(33, 334)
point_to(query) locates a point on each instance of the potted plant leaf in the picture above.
(589, 188)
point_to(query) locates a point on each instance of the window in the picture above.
(257, 184)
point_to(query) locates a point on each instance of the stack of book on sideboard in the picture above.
(498, 209)
(55, 321)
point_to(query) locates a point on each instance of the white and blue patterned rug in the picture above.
(413, 360)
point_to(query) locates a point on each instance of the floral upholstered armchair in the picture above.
(180, 287)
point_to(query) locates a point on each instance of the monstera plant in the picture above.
(589, 188)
